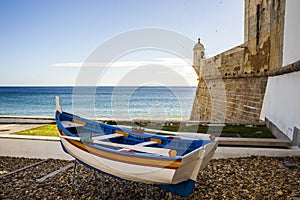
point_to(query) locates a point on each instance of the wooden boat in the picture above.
(171, 163)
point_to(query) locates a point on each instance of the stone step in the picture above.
(253, 142)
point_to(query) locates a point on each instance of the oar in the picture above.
(152, 150)
(187, 135)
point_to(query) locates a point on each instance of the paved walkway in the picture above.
(49, 147)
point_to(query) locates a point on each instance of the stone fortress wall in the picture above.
(232, 84)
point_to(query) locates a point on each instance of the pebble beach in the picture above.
(233, 178)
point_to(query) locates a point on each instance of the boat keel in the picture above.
(184, 188)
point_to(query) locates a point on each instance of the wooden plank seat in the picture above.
(108, 136)
(68, 124)
(143, 144)
(152, 141)
(117, 134)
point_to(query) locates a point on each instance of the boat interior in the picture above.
(91, 131)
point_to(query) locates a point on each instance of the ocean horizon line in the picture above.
(97, 118)
(129, 86)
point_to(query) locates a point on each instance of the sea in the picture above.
(102, 102)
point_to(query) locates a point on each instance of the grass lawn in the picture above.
(45, 130)
(243, 131)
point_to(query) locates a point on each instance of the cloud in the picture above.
(67, 64)
(121, 68)
(171, 62)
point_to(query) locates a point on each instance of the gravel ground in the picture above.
(239, 178)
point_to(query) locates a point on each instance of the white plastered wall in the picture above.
(282, 102)
(291, 42)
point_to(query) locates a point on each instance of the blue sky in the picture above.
(44, 42)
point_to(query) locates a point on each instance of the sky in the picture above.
(45, 43)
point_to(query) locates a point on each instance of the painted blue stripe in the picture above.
(64, 148)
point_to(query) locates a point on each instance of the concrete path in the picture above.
(13, 128)
(236, 152)
(26, 120)
(49, 147)
(32, 147)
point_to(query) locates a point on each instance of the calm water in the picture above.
(100, 102)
